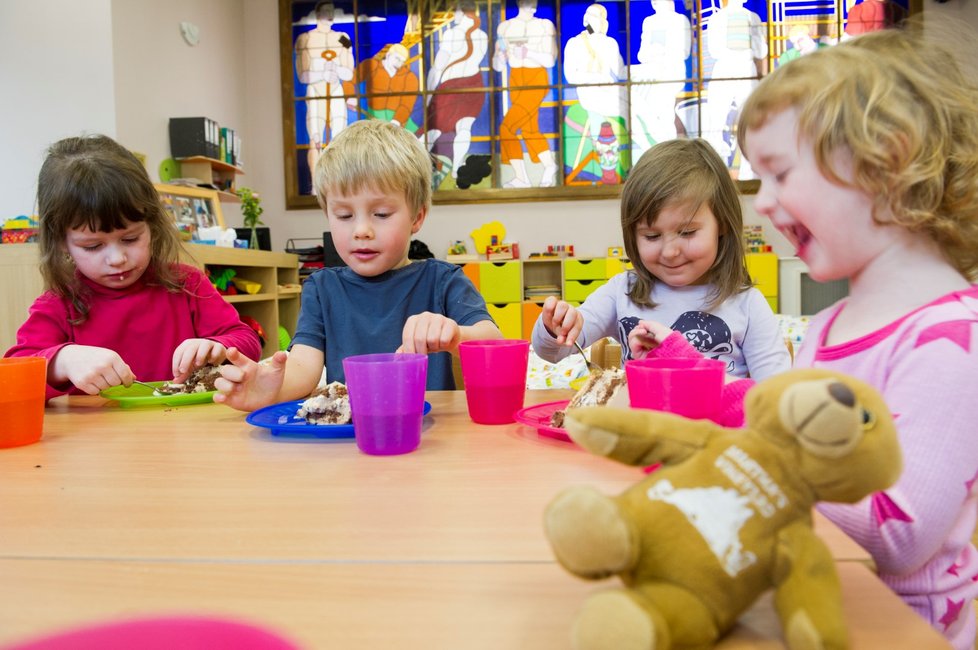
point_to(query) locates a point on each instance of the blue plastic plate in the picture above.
(281, 420)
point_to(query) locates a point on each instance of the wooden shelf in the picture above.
(213, 162)
(210, 170)
(271, 307)
(249, 297)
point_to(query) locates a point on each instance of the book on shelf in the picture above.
(535, 292)
(463, 257)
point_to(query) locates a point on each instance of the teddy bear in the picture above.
(725, 517)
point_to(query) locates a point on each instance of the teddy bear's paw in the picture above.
(611, 619)
(801, 634)
(589, 536)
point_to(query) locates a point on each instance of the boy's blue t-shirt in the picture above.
(343, 313)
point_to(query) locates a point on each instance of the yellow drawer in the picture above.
(508, 318)
(614, 266)
(578, 290)
(585, 269)
(763, 269)
(531, 311)
(773, 301)
(500, 282)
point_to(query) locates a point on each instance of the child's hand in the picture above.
(89, 368)
(646, 336)
(246, 385)
(194, 353)
(427, 332)
(562, 320)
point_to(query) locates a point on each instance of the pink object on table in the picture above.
(167, 633)
(688, 387)
(494, 374)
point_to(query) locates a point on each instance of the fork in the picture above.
(590, 366)
(143, 383)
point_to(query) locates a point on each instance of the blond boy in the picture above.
(374, 183)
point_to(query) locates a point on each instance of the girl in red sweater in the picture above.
(117, 304)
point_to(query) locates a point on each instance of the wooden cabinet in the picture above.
(273, 305)
(515, 290)
(20, 284)
(276, 302)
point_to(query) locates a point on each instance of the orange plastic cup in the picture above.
(22, 384)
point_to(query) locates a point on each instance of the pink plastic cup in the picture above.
(687, 387)
(494, 373)
(387, 401)
(22, 384)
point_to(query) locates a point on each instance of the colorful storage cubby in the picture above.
(471, 271)
(508, 318)
(500, 282)
(592, 269)
(615, 265)
(531, 311)
(578, 290)
(763, 269)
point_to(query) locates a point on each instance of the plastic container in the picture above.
(494, 373)
(387, 401)
(22, 387)
(687, 387)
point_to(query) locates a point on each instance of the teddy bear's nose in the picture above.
(842, 394)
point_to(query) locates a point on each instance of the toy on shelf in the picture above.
(483, 235)
(754, 241)
(458, 252)
(497, 251)
(554, 251)
(489, 245)
(248, 286)
(256, 326)
(20, 230)
(222, 281)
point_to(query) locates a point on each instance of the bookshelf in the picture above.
(210, 170)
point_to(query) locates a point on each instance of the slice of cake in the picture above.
(200, 380)
(603, 387)
(327, 405)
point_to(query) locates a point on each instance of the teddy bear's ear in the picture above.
(846, 434)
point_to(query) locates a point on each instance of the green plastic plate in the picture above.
(142, 396)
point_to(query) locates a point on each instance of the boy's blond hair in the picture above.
(899, 104)
(378, 155)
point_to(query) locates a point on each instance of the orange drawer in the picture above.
(531, 311)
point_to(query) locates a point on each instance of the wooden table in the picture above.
(123, 512)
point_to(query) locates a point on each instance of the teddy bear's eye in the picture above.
(868, 419)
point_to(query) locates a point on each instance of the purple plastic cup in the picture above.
(687, 387)
(494, 373)
(387, 401)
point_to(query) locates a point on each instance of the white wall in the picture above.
(159, 76)
(56, 80)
